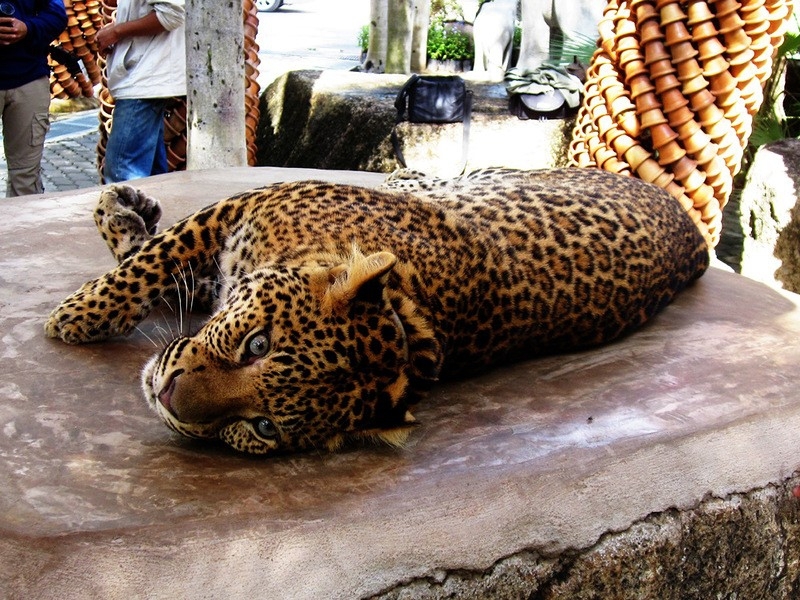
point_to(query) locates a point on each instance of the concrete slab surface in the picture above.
(99, 500)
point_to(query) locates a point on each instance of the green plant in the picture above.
(780, 111)
(578, 45)
(445, 43)
(770, 123)
(363, 38)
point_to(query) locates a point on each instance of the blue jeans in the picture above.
(135, 145)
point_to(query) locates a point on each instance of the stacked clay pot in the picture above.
(252, 89)
(175, 120)
(83, 21)
(671, 93)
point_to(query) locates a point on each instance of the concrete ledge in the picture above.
(659, 466)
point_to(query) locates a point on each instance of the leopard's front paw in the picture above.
(88, 316)
(124, 200)
(64, 324)
(126, 218)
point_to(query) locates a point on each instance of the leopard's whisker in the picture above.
(317, 450)
(179, 312)
(165, 319)
(151, 340)
(191, 291)
(191, 274)
(163, 334)
(222, 276)
(165, 301)
(184, 302)
(178, 308)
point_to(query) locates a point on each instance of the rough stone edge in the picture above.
(743, 545)
(768, 216)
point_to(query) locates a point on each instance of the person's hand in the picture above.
(106, 38)
(12, 31)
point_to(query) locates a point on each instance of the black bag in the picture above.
(434, 99)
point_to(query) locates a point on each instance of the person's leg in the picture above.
(26, 119)
(160, 164)
(136, 139)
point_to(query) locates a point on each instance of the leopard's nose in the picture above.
(165, 395)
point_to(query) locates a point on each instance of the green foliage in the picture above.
(363, 38)
(780, 106)
(767, 128)
(445, 43)
(780, 111)
(579, 45)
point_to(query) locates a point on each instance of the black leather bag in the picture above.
(434, 99)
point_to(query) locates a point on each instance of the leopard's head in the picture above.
(299, 357)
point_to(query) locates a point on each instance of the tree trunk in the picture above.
(419, 36)
(375, 60)
(215, 82)
(400, 26)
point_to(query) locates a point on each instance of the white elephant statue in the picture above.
(493, 34)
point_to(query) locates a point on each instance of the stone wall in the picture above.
(344, 120)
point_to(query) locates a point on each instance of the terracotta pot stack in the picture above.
(175, 121)
(83, 21)
(672, 91)
(252, 89)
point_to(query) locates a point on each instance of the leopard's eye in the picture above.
(257, 346)
(265, 429)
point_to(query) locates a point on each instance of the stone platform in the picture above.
(661, 466)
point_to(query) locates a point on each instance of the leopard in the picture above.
(333, 310)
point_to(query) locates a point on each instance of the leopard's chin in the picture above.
(148, 372)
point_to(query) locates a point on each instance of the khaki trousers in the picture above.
(26, 118)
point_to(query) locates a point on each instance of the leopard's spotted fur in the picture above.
(337, 306)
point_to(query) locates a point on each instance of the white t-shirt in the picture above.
(149, 66)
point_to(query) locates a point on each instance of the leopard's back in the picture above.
(557, 260)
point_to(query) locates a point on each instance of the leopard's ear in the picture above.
(360, 276)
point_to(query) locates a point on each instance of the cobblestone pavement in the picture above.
(70, 164)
